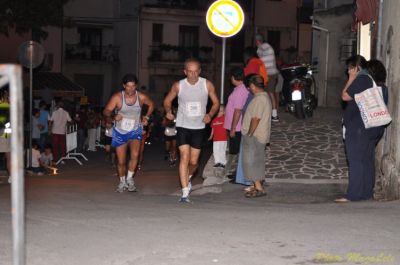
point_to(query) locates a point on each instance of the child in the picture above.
(219, 137)
(35, 163)
(36, 126)
(46, 160)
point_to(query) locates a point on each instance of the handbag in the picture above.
(373, 110)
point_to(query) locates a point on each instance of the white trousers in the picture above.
(219, 151)
(92, 139)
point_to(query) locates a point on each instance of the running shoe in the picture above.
(131, 185)
(185, 200)
(122, 186)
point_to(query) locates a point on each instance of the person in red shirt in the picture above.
(220, 138)
(254, 65)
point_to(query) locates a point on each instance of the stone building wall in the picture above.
(388, 151)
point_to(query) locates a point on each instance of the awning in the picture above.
(59, 85)
(366, 11)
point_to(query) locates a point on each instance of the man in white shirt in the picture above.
(267, 55)
(58, 122)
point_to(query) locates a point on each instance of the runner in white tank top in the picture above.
(193, 93)
(192, 103)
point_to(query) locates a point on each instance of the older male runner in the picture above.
(124, 108)
(193, 93)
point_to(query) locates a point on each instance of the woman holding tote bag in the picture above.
(360, 142)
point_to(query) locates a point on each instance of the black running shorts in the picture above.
(192, 137)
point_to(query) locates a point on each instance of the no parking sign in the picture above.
(225, 18)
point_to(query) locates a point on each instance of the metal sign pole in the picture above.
(223, 69)
(31, 50)
(14, 74)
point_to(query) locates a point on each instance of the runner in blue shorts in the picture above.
(125, 108)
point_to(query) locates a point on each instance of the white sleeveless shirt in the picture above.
(192, 103)
(130, 115)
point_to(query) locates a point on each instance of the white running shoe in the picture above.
(122, 186)
(131, 185)
(185, 200)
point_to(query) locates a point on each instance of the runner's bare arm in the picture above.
(146, 100)
(110, 107)
(215, 102)
(173, 93)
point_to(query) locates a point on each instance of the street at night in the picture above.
(76, 217)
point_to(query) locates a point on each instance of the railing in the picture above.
(92, 53)
(71, 138)
(161, 53)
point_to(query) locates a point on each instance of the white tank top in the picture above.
(130, 116)
(192, 103)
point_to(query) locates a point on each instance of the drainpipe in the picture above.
(378, 54)
(326, 60)
(138, 43)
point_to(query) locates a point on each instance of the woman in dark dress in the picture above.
(360, 142)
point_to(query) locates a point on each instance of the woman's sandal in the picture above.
(342, 200)
(249, 188)
(255, 193)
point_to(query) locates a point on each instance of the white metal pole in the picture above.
(30, 101)
(17, 164)
(223, 69)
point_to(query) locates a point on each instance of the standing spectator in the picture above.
(110, 153)
(81, 119)
(170, 137)
(360, 142)
(44, 117)
(267, 55)
(256, 131)
(91, 124)
(219, 137)
(36, 126)
(233, 116)
(58, 122)
(254, 65)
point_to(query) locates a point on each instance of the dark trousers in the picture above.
(43, 140)
(234, 143)
(360, 151)
(58, 142)
(81, 139)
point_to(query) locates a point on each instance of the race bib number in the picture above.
(127, 124)
(193, 109)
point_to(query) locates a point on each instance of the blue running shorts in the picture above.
(119, 139)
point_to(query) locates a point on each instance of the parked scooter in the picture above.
(299, 90)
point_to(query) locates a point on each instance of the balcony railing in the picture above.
(108, 53)
(169, 53)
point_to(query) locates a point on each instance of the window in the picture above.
(157, 33)
(189, 41)
(274, 39)
(91, 38)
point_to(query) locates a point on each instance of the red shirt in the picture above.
(256, 66)
(219, 131)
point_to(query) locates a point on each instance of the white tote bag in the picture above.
(373, 110)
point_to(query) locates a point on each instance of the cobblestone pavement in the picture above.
(310, 149)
